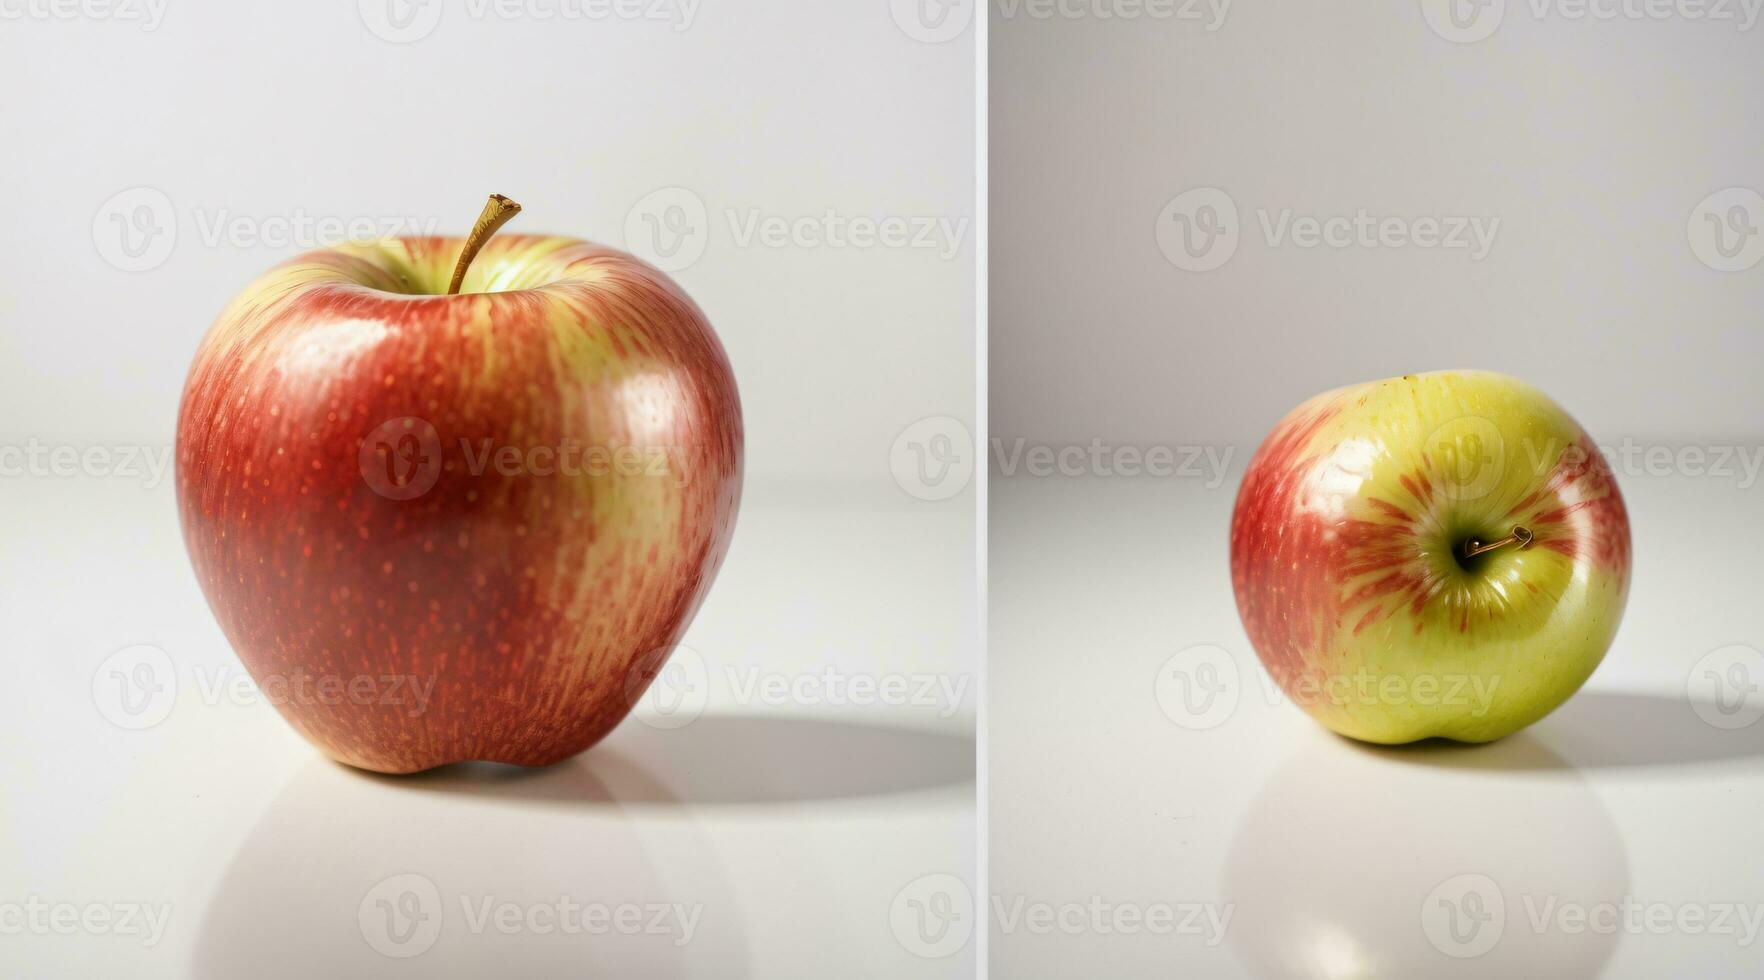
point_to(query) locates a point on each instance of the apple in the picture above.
(449, 520)
(1435, 555)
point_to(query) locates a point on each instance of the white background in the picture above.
(810, 831)
(1594, 142)
(260, 112)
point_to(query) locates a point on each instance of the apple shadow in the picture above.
(721, 760)
(1597, 730)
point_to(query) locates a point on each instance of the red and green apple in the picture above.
(1435, 555)
(458, 518)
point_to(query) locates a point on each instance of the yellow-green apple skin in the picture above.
(1348, 557)
(440, 528)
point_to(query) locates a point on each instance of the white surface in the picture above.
(1326, 852)
(796, 827)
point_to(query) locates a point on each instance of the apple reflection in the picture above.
(1423, 861)
(532, 873)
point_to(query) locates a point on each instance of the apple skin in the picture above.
(1344, 547)
(535, 600)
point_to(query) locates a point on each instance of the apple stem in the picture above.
(1521, 536)
(496, 213)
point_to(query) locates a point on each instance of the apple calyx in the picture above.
(1521, 536)
(497, 211)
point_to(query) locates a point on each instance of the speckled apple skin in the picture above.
(537, 601)
(1342, 557)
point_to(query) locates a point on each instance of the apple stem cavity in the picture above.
(496, 213)
(1521, 536)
